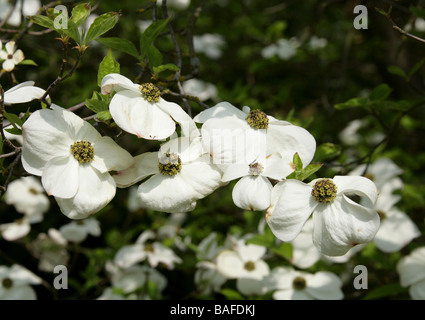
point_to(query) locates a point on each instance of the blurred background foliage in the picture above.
(303, 89)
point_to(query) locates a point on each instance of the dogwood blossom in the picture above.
(153, 251)
(244, 262)
(253, 190)
(11, 56)
(140, 109)
(50, 250)
(59, 146)
(77, 231)
(200, 89)
(21, 9)
(211, 45)
(339, 222)
(23, 92)
(397, 229)
(234, 136)
(411, 269)
(290, 284)
(27, 195)
(15, 283)
(180, 174)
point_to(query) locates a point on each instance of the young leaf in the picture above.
(352, 103)
(164, 67)
(150, 34)
(103, 116)
(416, 67)
(120, 44)
(80, 13)
(101, 25)
(97, 103)
(28, 62)
(43, 21)
(154, 56)
(380, 93)
(107, 66)
(397, 71)
(326, 151)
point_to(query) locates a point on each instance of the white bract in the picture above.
(73, 160)
(23, 92)
(397, 228)
(253, 190)
(290, 284)
(140, 110)
(153, 251)
(77, 231)
(15, 283)
(245, 263)
(200, 89)
(304, 253)
(234, 136)
(27, 195)
(209, 44)
(339, 223)
(23, 9)
(411, 269)
(10, 55)
(50, 249)
(180, 174)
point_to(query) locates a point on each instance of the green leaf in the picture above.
(397, 71)
(418, 12)
(297, 161)
(101, 25)
(120, 44)
(265, 239)
(80, 13)
(28, 62)
(107, 66)
(165, 67)
(385, 291)
(14, 120)
(43, 21)
(98, 102)
(416, 67)
(326, 151)
(231, 294)
(284, 250)
(103, 116)
(149, 35)
(154, 56)
(352, 103)
(14, 131)
(380, 93)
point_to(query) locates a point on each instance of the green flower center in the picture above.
(148, 247)
(83, 151)
(299, 283)
(381, 214)
(255, 169)
(169, 164)
(150, 92)
(257, 119)
(249, 265)
(7, 283)
(324, 191)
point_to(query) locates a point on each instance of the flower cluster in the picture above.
(259, 150)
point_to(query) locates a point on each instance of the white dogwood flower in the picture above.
(140, 109)
(153, 251)
(23, 92)
(27, 195)
(234, 136)
(253, 190)
(77, 231)
(73, 160)
(15, 283)
(339, 222)
(179, 175)
(11, 56)
(411, 269)
(50, 250)
(397, 228)
(21, 9)
(290, 284)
